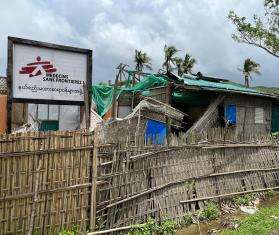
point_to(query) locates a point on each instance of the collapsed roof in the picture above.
(102, 95)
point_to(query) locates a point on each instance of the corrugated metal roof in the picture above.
(223, 86)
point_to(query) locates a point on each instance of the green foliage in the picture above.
(262, 33)
(191, 184)
(148, 228)
(275, 135)
(209, 212)
(170, 58)
(272, 12)
(72, 231)
(243, 200)
(263, 222)
(185, 66)
(249, 67)
(270, 193)
(167, 227)
(187, 219)
(142, 61)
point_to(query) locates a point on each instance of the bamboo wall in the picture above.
(45, 182)
(172, 182)
(246, 125)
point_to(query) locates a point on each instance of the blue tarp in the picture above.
(230, 113)
(156, 132)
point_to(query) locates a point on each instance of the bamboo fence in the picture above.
(50, 181)
(171, 182)
(45, 182)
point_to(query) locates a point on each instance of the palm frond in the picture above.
(142, 60)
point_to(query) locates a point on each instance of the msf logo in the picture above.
(37, 68)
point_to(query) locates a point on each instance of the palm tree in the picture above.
(142, 61)
(179, 63)
(249, 67)
(186, 65)
(170, 58)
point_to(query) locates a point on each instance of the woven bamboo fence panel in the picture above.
(44, 182)
(171, 182)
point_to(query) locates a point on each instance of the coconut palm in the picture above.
(170, 58)
(186, 65)
(142, 61)
(249, 67)
(179, 67)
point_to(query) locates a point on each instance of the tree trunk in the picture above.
(246, 81)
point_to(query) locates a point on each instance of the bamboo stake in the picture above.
(94, 182)
(35, 199)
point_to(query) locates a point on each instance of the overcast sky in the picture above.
(114, 29)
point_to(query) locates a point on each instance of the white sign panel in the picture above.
(48, 74)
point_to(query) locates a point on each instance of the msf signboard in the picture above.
(47, 73)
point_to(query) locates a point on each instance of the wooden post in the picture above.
(9, 85)
(114, 113)
(94, 181)
(86, 105)
(168, 102)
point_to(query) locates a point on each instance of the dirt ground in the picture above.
(223, 222)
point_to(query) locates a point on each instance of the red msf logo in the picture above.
(37, 68)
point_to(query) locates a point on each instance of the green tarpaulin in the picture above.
(275, 119)
(102, 95)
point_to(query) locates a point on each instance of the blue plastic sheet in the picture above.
(230, 113)
(155, 132)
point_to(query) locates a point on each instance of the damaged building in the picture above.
(171, 105)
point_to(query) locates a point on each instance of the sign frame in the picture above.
(14, 40)
(10, 52)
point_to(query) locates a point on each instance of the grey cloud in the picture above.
(114, 29)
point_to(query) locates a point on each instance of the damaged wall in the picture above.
(253, 115)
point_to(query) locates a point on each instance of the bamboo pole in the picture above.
(241, 146)
(229, 194)
(50, 191)
(35, 198)
(110, 230)
(93, 205)
(184, 180)
(45, 151)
